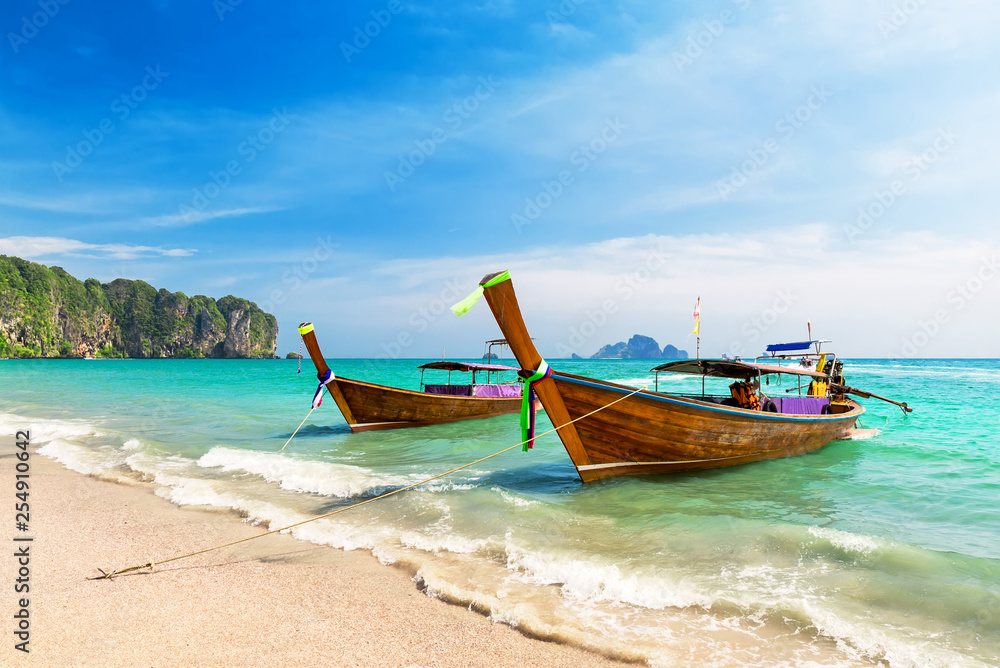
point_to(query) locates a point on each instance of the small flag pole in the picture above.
(697, 327)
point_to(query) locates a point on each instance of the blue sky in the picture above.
(831, 162)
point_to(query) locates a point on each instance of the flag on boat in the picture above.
(697, 317)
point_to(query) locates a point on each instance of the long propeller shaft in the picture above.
(844, 389)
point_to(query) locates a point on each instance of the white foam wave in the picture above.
(82, 459)
(132, 444)
(447, 487)
(301, 475)
(859, 434)
(76, 444)
(761, 586)
(193, 491)
(513, 499)
(441, 543)
(868, 641)
(158, 468)
(846, 541)
(43, 431)
(646, 381)
(586, 580)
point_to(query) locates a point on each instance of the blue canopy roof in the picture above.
(784, 347)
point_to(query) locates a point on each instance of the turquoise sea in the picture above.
(883, 551)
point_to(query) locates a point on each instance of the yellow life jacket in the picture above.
(744, 395)
(817, 388)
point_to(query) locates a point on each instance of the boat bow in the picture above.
(499, 292)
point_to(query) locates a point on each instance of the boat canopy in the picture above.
(732, 369)
(466, 366)
(787, 347)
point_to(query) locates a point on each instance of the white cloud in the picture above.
(36, 247)
(85, 203)
(193, 217)
(569, 32)
(869, 298)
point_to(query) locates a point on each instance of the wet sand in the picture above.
(272, 601)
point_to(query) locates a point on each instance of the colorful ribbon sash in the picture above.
(528, 405)
(324, 380)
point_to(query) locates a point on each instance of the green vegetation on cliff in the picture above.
(45, 312)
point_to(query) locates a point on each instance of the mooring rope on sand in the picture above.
(106, 575)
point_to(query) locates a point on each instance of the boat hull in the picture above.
(367, 406)
(651, 432)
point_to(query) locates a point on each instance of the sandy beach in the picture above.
(273, 601)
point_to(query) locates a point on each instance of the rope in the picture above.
(149, 564)
(297, 428)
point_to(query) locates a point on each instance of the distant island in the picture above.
(45, 312)
(639, 347)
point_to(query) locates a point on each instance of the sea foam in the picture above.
(302, 475)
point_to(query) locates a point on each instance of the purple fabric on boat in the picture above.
(496, 391)
(456, 390)
(801, 405)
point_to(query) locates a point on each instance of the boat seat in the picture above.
(801, 405)
(454, 390)
(501, 391)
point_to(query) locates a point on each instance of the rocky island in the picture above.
(45, 312)
(639, 347)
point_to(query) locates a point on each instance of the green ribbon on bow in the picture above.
(528, 405)
(464, 306)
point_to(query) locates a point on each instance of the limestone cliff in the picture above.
(45, 312)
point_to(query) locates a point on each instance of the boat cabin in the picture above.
(487, 380)
(761, 386)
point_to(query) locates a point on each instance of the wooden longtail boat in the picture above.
(655, 432)
(368, 406)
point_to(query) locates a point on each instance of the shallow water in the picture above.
(884, 550)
